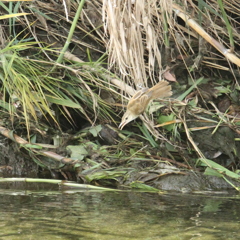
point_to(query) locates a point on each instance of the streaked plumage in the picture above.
(138, 103)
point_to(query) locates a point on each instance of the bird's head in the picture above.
(127, 117)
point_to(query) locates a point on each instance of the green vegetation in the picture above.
(68, 69)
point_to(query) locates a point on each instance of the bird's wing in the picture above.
(138, 105)
(138, 94)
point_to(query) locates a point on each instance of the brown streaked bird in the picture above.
(138, 103)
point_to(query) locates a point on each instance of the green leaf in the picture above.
(39, 163)
(147, 135)
(163, 119)
(144, 187)
(95, 130)
(214, 169)
(63, 102)
(5, 105)
(33, 139)
(13, 15)
(105, 174)
(77, 152)
(212, 172)
(29, 145)
(182, 96)
(170, 147)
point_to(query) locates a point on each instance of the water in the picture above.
(45, 212)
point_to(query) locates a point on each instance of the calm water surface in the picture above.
(46, 212)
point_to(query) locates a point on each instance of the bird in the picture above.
(138, 103)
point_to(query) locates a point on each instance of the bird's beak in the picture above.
(122, 124)
(127, 117)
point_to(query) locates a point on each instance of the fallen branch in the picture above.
(7, 133)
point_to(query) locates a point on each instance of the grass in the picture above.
(58, 64)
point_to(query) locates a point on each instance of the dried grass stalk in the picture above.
(133, 28)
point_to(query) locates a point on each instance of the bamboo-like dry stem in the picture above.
(194, 25)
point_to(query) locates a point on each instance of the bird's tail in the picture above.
(160, 90)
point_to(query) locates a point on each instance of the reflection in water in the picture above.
(54, 214)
